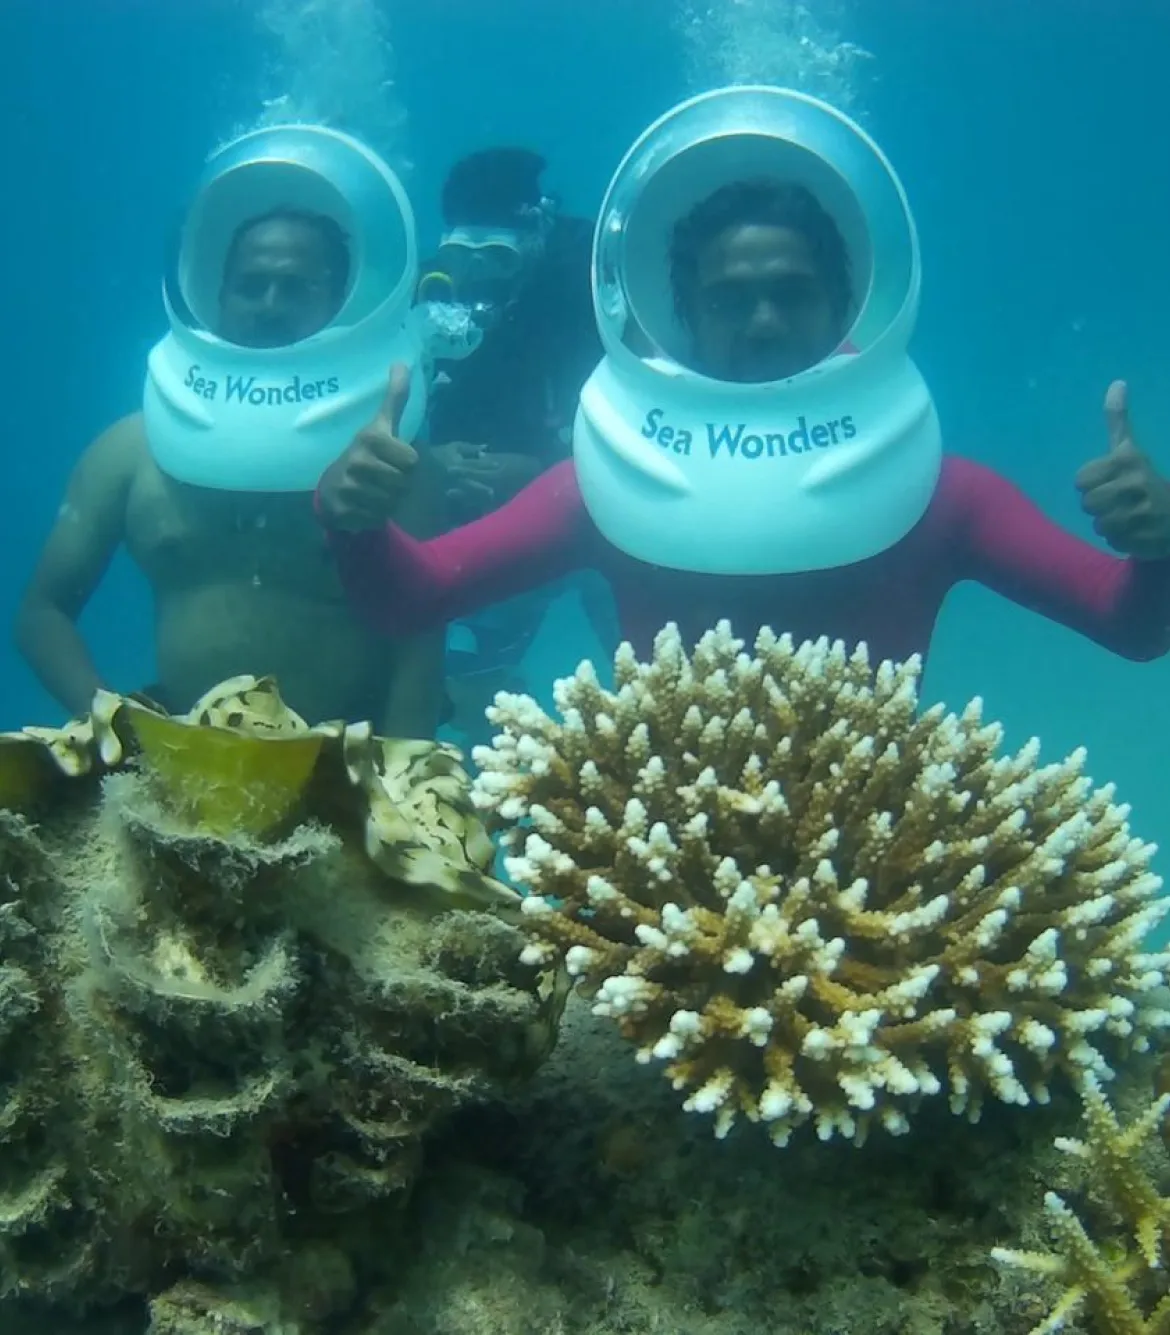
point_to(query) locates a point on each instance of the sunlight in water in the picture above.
(782, 42)
(331, 62)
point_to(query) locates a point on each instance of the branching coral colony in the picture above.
(1119, 1286)
(814, 903)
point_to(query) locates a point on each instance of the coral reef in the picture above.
(585, 1205)
(814, 903)
(277, 1050)
(581, 1203)
(1111, 1271)
(245, 966)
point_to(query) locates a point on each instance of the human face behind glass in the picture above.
(761, 309)
(278, 285)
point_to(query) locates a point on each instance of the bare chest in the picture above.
(179, 535)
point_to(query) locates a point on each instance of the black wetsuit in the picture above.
(517, 394)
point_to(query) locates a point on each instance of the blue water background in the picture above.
(1029, 137)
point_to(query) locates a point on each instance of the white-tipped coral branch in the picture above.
(814, 903)
(1117, 1285)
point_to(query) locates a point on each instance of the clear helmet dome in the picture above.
(734, 427)
(272, 363)
(302, 170)
(739, 135)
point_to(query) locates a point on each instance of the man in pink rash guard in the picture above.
(761, 280)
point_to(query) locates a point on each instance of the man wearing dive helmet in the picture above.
(225, 533)
(506, 413)
(776, 458)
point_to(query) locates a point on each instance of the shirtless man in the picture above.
(242, 582)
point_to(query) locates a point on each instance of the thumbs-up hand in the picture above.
(1129, 502)
(363, 488)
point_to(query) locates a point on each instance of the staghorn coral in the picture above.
(222, 1041)
(1119, 1282)
(813, 903)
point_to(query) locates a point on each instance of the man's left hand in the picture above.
(479, 479)
(1129, 501)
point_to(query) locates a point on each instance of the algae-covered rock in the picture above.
(231, 1006)
(198, 1309)
(586, 1206)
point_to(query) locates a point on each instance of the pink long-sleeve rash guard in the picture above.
(978, 527)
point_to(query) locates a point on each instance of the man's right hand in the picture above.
(364, 488)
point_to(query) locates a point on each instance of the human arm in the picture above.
(401, 584)
(1007, 543)
(415, 692)
(85, 535)
(478, 479)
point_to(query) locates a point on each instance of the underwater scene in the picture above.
(584, 721)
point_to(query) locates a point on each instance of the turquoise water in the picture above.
(1023, 134)
(1028, 136)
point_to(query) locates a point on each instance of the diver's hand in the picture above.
(477, 478)
(516, 471)
(1129, 501)
(469, 473)
(364, 488)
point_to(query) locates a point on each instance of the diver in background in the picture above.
(506, 413)
(241, 581)
(523, 269)
(760, 276)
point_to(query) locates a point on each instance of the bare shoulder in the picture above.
(90, 521)
(121, 447)
(112, 461)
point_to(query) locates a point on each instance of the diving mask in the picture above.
(482, 268)
(479, 268)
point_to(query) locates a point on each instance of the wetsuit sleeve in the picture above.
(1011, 546)
(402, 585)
